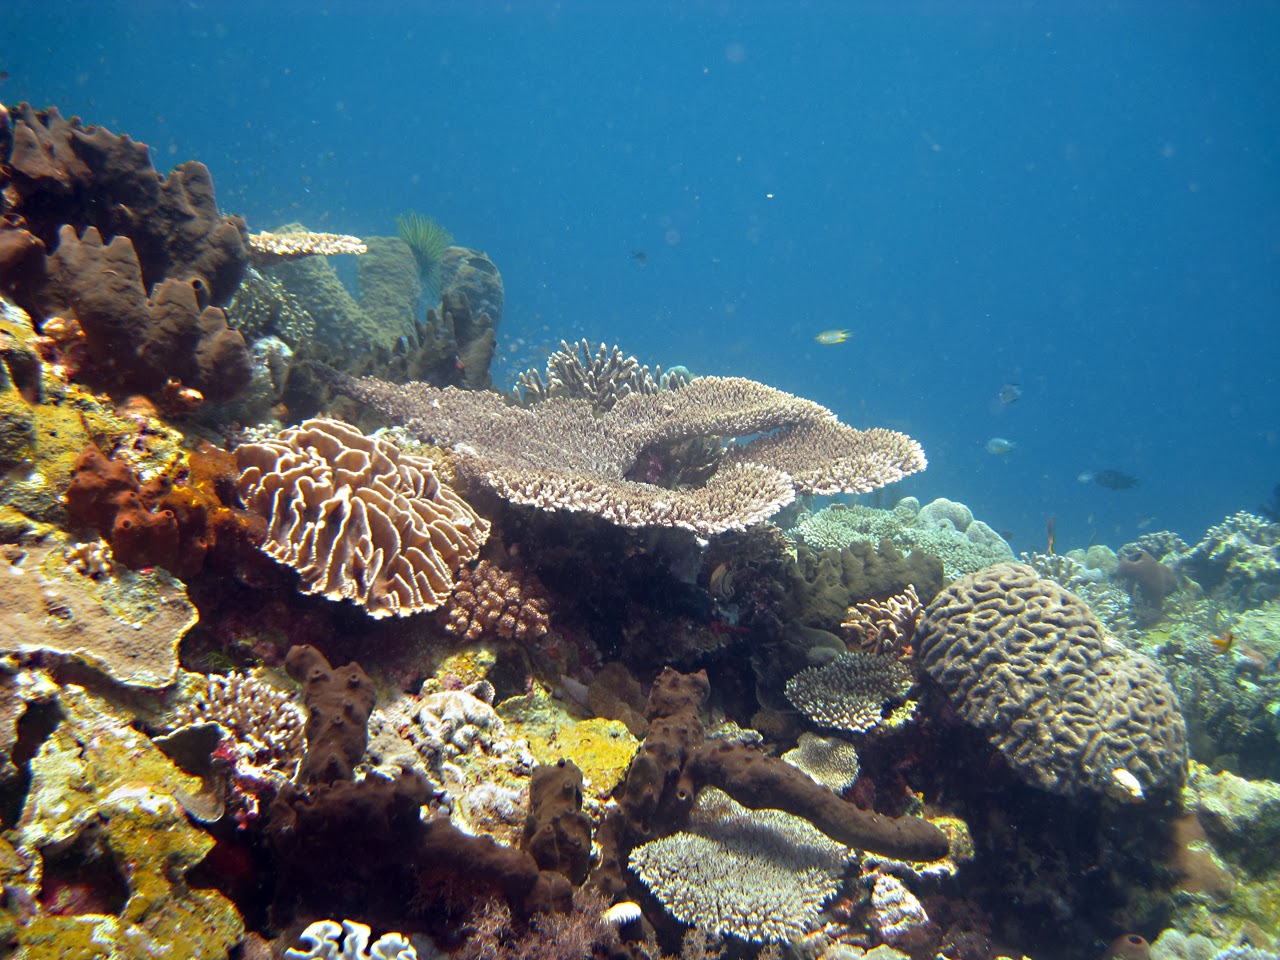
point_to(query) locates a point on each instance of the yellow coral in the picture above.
(601, 748)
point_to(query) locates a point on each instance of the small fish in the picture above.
(1000, 446)
(1223, 641)
(829, 337)
(1051, 528)
(1144, 522)
(1009, 393)
(640, 257)
(1115, 480)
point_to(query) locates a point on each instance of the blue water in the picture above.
(1080, 198)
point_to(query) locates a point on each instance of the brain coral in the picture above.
(1025, 661)
(358, 519)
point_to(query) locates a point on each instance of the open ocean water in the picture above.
(1079, 198)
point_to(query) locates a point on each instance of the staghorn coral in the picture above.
(854, 691)
(760, 875)
(502, 603)
(358, 519)
(264, 722)
(1026, 662)
(602, 379)
(559, 455)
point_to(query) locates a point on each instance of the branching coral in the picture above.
(602, 379)
(501, 603)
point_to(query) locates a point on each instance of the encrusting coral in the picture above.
(559, 455)
(1071, 710)
(125, 624)
(358, 519)
(99, 788)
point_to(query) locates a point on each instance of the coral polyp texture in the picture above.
(760, 875)
(1072, 710)
(488, 600)
(358, 519)
(856, 692)
(560, 455)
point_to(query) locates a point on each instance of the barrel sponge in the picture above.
(1025, 661)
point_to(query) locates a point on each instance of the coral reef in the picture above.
(1025, 661)
(558, 455)
(942, 529)
(760, 875)
(497, 603)
(1238, 558)
(126, 624)
(857, 692)
(358, 519)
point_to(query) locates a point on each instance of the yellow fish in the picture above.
(828, 337)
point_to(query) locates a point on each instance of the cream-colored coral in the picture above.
(269, 248)
(884, 626)
(265, 723)
(761, 875)
(561, 455)
(358, 519)
(852, 692)
(829, 760)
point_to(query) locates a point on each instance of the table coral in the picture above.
(760, 875)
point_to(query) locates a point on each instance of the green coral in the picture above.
(99, 783)
(428, 240)
(390, 289)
